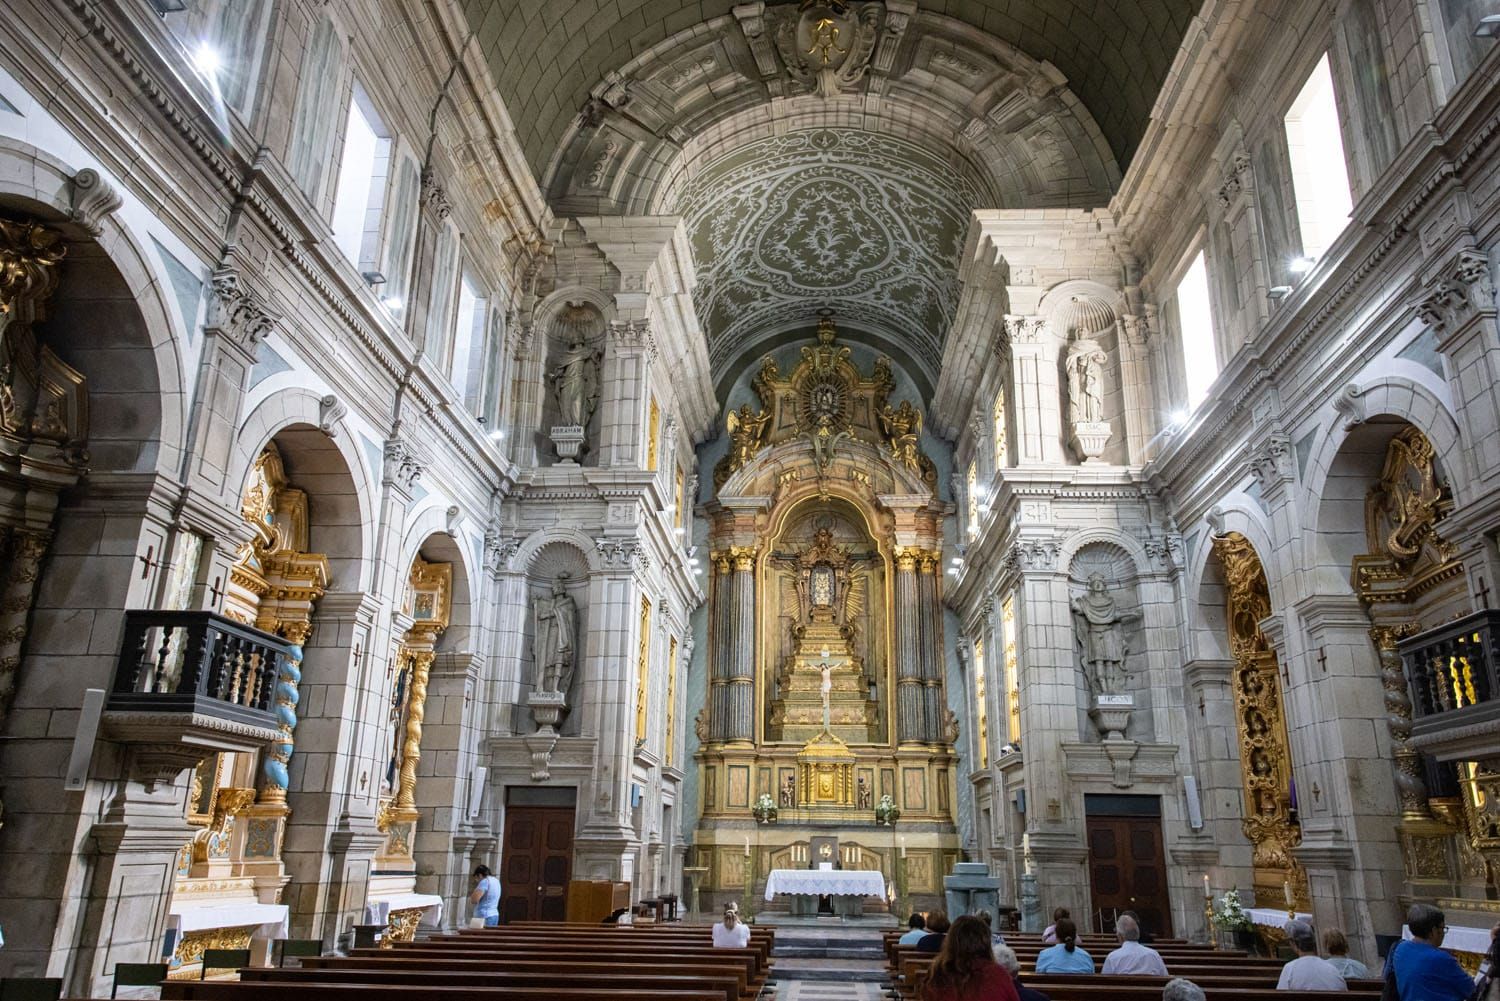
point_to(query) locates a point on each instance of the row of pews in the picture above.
(1224, 975)
(545, 962)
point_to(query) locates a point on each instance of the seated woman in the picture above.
(1065, 956)
(937, 928)
(731, 933)
(1337, 947)
(1049, 934)
(965, 968)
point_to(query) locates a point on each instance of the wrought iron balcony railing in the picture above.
(197, 663)
(1453, 674)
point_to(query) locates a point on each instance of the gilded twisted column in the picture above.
(1411, 783)
(411, 747)
(910, 698)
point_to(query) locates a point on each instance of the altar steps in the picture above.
(831, 953)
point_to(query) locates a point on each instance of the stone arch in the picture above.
(327, 465)
(427, 536)
(146, 406)
(1207, 624)
(1394, 396)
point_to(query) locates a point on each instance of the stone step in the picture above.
(831, 950)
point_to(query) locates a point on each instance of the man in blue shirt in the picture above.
(917, 927)
(1424, 972)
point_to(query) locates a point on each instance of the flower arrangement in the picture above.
(886, 811)
(764, 809)
(1230, 914)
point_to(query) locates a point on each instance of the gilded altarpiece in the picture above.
(1270, 821)
(1411, 579)
(826, 641)
(239, 801)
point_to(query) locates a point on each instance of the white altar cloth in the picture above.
(836, 882)
(1274, 917)
(270, 919)
(1459, 938)
(378, 912)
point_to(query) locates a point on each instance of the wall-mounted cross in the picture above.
(1201, 707)
(1484, 594)
(1323, 659)
(358, 653)
(217, 590)
(148, 564)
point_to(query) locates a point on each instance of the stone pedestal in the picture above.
(1090, 437)
(567, 439)
(1111, 715)
(546, 710)
(971, 889)
(1031, 904)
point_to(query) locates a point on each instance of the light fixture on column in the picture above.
(1488, 27)
(169, 6)
(372, 278)
(206, 59)
(1276, 292)
(1302, 265)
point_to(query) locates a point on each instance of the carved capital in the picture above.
(1166, 550)
(1463, 292)
(633, 334)
(236, 314)
(94, 200)
(1025, 329)
(402, 466)
(1235, 175)
(499, 551)
(433, 196)
(622, 554)
(1272, 462)
(1033, 554)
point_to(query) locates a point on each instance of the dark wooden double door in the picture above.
(1127, 870)
(536, 862)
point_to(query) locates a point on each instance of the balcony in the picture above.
(196, 680)
(1453, 675)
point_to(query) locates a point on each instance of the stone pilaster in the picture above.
(1459, 305)
(1034, 391)
(911, 713)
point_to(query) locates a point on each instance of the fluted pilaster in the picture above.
(910, 696)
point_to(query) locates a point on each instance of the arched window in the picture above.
(316, 111)
(998, 428)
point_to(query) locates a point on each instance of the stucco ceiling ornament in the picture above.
(827, 44)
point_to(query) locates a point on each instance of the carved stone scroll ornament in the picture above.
(94, 200)
(235, 313)
(1463, 293)
(826, 45)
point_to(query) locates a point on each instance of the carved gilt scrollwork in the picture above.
(1265, 757)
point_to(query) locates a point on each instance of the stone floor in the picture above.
(832, 961)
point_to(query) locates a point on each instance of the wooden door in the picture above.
(1127, 872)
(536, 862)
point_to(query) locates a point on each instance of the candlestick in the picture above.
(1286, 888)
(1208, 893)
(747, 848)
(903, 847)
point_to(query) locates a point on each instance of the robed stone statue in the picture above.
(555, 639)
(1099, 637)
(1085, 364)
(575, 383)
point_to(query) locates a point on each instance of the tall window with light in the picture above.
(359, 199)
(997, 428)
(1189, 314)
(1012, 671)
(981, 703)
(1320, 174)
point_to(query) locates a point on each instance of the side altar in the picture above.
(826, 641)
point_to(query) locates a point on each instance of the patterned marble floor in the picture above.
(826, 990)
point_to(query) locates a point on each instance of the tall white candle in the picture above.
(1207, 892)
(747, 847)
(1286, 888)
(903, 847)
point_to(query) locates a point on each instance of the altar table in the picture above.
(805, 886)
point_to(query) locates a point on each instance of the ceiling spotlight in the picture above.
(1302, 265)
(957, 561)
(169, 6)
(1180, 417)
(392, 303)
(206, 59)
(496, 435)
(1488, 27)
(1276, 292)
(373, 277)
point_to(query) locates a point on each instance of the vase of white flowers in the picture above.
(886, 811)
(764, 809)
(1230, 916)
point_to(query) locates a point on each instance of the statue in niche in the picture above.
(1099, 636)
(555, 639)
(1085, 366)
(862, 798)
(575, 383)
(788, 798)
(747, 436)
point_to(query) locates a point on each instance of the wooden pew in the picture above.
(643, 977)
(736, 972)
(560, 956)
(230, 990)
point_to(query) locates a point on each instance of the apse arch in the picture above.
(125, 300)
(1207, 624)
(427, 535)
(319, 463)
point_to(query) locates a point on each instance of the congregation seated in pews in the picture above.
(1188, 972)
